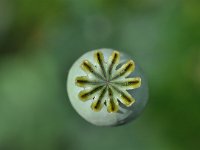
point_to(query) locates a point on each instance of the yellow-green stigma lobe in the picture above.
(105, 85)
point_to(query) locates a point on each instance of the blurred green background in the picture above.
(39, 41)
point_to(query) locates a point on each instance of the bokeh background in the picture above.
(39, 41)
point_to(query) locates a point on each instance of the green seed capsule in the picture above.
(107, 88)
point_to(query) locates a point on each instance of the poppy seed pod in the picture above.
(107, 88)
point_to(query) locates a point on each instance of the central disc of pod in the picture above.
(107, 88)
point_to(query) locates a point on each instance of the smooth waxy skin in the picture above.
(107, 88)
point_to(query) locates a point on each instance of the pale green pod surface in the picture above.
(107, 88)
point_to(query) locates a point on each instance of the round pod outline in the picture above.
(107, 88)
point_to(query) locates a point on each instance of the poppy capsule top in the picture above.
(107, 88)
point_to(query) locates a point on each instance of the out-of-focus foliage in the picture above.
(39, 41)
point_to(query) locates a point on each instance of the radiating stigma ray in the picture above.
(107, 84)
